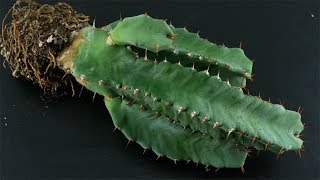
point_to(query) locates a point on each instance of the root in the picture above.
(34, 36)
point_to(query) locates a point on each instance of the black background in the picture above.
(73, 138)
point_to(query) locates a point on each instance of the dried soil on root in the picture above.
(34, 36)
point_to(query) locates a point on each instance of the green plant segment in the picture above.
(180, 46)
(107, 63)
(171, 140)
(165, 88)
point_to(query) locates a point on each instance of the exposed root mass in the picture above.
(33, 38)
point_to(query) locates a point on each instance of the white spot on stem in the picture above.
(193, 113)
(82, 77)
(50, 39)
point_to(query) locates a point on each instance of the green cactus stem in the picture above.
(107, 69)
(177, 44)
(165, 88)
(171, 140)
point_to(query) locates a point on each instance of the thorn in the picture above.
(200, 58)
(217, 170)
(180, 109)
(94, 95)
(253, 61)
(240, 45)
(248, 151)
(252, 77)
(299, 152)
(82, 77)
(248, 92)
(193, 69)
(204, 119)
(198, 32)
(141, 107)
(100, 82)
(175, 162)
(218, 75)
(179, 63)
(80, 91)
(259, 96)
(305, 125)
(192, 131)
(266, 145)
(129, 48)
(189, 54)
(269, 100)
(174, 36)
(115, 128)
(129, 103)
(282, 102)
(188, 161)
(193, 113)
(207, 71)
(242, 169)
(94, 23)
(240, 89)
(128, 143)
(258, 153)
(120, 17)
(146, 94)
(146, 14)
(154, 99)
(155, 61)
(144, 151)
(228, 83)
(280, 152)
(135, 91)
(300, 110)
(215, 124)
(175, 51)
(197, 164)
(145, 55)
(159, 156)
(165, 59)
(254, 138)
(230, 131)
(207, 168)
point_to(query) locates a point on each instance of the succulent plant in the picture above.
(169, 90)
(170, 73)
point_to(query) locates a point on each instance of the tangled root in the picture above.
(33, 38)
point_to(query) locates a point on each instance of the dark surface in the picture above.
(73, 138)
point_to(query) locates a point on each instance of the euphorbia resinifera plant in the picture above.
(166, 88)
